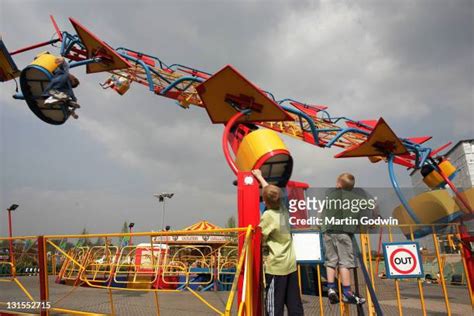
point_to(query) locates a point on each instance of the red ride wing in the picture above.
(95, 47)
(227, 87)
(381, 142)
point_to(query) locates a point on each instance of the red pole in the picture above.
(225, 138)
(10, 233)
(56, 27)
(467, 239)
(24, 49)
(248, 206)
(248, 197)
(43, 274)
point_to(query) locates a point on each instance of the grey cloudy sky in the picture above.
(410, 62)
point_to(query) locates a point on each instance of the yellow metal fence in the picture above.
(149, 266)
(424, 296)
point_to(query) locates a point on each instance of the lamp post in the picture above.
(130, 226)
(162, 198)
(10, 228)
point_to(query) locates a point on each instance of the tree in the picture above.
(125, 228)
(85, 241)
(99, 241)
(4, 244)
(124, 240)
(230, 222)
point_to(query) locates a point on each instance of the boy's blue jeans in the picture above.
(61, 83)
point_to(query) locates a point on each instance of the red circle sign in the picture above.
(394, 266)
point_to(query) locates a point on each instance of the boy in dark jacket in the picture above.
(338, 241)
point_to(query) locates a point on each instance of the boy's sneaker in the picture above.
(58, 95)
(51, 100)
(353, 299)
(73, 104)
(333, 297)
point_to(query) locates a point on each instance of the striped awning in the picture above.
(198, 238)
(202, 225)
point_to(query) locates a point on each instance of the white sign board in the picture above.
(203, 239)
(307, 246)
(402, 260)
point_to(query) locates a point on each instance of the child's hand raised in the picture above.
(257, 173)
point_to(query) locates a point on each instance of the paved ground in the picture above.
(411, 305)
(184, 303)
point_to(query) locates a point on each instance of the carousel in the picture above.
(199, 258)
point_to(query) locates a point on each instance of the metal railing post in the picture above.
(43, 274)
(441, 273)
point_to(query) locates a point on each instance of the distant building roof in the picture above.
(459, 143)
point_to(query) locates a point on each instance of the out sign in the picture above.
(402, 260)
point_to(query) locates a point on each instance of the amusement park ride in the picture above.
(253, 118)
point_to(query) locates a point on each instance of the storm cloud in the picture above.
(409, 62)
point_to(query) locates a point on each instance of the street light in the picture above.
(130, 226)
(162, 198)
(10, 229)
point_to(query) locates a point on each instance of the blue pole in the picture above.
(300, 114)
(178, 81)
(151, 84)
(84, 62)
(400, 195)
(344, 131)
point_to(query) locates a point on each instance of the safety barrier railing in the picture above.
(403, 296)
(158, 266)
(175, 269)
(190, 265)
(71, 270)
(100, 265)
(227, 264)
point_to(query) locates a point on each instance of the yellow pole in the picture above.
(65, 254)
(241, 308)
(23, 289)
(157, 303)
(363, 243)
(230, 299)
(440, 266)
(112, 308)
(321, 309)
(250, 288)
(369, 253)
(139, 234)
(299, 280)
(158, 272)
(397, 285)
(420, 283)
(202, 299)
(341, 304)
(72, 312)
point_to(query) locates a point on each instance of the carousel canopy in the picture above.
(202, 225)
(199, 238)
